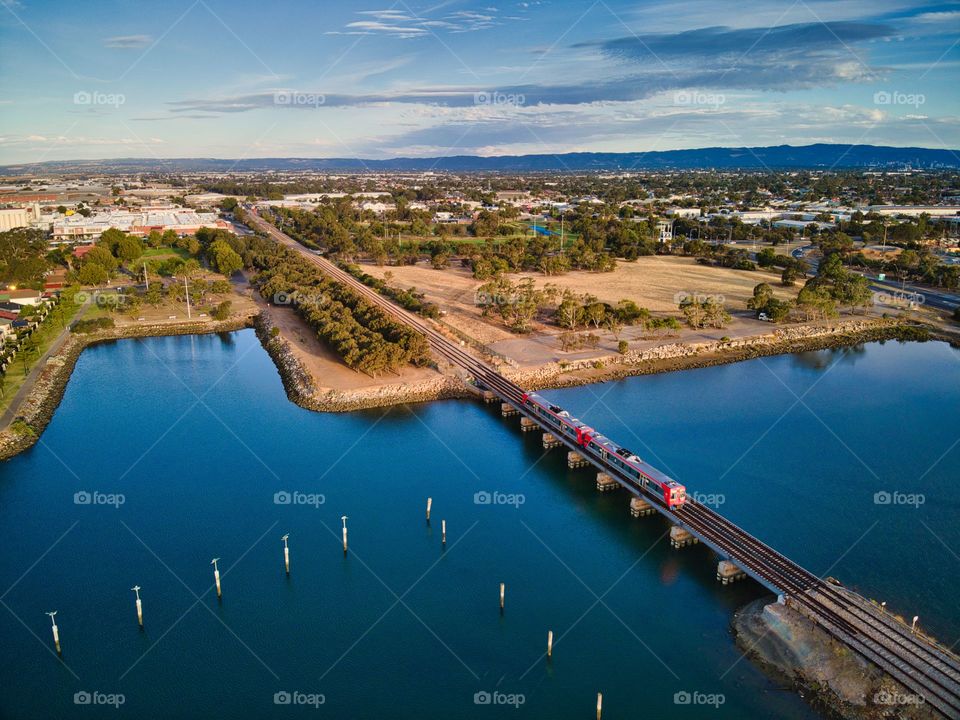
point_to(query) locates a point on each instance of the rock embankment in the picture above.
(831, 676)
(37, 409)
(681, 355)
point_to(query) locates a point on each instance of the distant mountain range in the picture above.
(780, 157)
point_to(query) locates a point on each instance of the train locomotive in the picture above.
(645, 476)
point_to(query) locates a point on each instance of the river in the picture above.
(168, 452)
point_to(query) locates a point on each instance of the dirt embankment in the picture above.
(37, 409)
(832, 677)
(304, 389)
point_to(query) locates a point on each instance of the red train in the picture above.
(645, 476)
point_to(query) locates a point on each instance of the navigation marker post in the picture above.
(136, 589)
(343, 519)
(443, 532)
(56, 632)
(286, 553)
(549, 644)
(216, 577)
(503, 588)
(429, 505)
(599, 705)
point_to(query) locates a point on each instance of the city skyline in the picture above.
(207, 79)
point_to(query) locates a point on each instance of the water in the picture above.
(197, 436)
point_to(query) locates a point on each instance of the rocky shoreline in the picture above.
(833, 678)
(685, 356)
(38, 408)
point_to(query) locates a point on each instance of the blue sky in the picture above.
(210, 78)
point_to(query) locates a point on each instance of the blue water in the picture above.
(197, 436)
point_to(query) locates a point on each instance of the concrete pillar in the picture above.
(507, 410)
(640, 507)
(605, 483)
(575, 460)
(728, 573)
(489, 397)
(550, 441)
(527, 425)
(680, 537)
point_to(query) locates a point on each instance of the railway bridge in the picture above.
(923, 667)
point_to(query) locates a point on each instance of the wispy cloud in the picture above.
(407, 24)
(126, 42)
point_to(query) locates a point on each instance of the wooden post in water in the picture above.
(286, 553)
(56, 632)
(429, 505)
(343, 519)
(136, 589)
(549, 644)
(216, 577)
(503, 589)
(599, 705)
(443, 531)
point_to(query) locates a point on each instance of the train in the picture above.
(645, 476)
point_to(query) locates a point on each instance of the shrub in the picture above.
(622, 347)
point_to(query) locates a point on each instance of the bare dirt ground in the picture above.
(327, 370)
(651, 282)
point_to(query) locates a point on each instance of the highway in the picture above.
(927, 670)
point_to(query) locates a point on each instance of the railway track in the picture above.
(927, 670)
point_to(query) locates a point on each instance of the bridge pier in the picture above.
(527, 425)
(605, 483)
(681, 538)
(508, 410)
(489, 396)
(728, 573)
(640, 507)
(550, 441)
(575, 460)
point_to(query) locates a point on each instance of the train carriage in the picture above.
(645, 476)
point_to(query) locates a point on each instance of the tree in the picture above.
(129, 248)
(93, 274)
(762, 294)
(622, 347)
(221, 311)
(224, 258)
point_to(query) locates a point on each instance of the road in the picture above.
(934, 297)
(10, 414)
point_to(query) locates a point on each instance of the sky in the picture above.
(325, 78)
